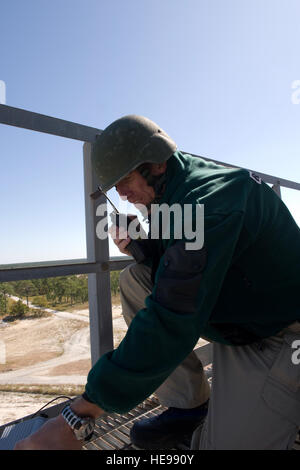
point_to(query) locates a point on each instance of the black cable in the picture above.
(60, 396)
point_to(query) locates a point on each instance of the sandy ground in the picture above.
(17, 405)
(51, 351)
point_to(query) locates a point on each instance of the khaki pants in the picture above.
(255, 394)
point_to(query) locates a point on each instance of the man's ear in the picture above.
(158, 168)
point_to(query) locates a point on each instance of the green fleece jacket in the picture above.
(241, 286)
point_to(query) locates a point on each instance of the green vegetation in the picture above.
(70, 390)
(114, 282)
(19, 309)
(5, 291)
(61, 293)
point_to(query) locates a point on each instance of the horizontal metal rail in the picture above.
(24, 271)
(46, 124)
(50, 125)
(275, 180)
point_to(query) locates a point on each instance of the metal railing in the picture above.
(98, 263)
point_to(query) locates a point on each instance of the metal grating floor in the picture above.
(112, 431)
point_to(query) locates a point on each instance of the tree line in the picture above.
(51, 291)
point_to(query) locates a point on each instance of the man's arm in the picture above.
(56, 434)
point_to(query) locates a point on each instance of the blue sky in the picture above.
(215, 74)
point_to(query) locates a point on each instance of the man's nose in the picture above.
(120, 189)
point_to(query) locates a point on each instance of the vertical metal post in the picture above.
(101, 329)
(277, 189)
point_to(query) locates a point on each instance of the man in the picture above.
(239, 290)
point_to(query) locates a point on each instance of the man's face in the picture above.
(135, 189)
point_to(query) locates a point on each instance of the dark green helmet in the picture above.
(127, 143)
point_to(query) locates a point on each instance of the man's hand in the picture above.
(120, 235)
(56, 434)
(120, 238)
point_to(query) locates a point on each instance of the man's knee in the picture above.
(124, 278)
(135, 273)
(135, 286)
(128, 276)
